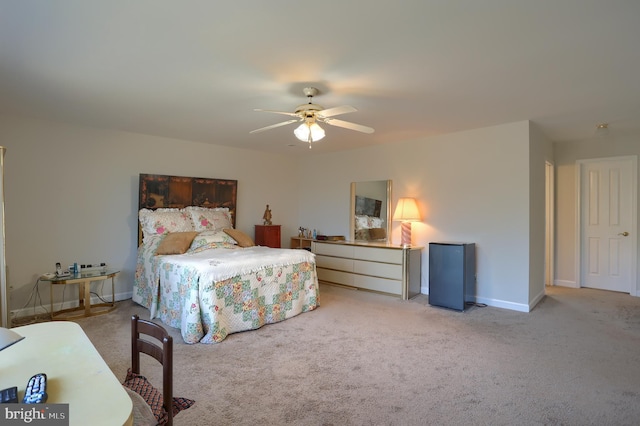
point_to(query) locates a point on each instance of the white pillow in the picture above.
(163, 221)
(205, 219)
(368, 222)
(375, 222)
(211, 239)
(361, 222)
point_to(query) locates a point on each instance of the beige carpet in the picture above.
(368, 359)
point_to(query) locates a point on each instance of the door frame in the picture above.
(580, 164)
(549, 273)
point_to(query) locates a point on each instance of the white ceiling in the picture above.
(195, 70)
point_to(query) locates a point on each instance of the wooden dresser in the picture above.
(378, 267)
(268, 235)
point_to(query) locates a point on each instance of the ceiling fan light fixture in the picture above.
(307, 132)
(602, 129)
(310, 114)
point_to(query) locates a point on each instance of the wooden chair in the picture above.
(163, 354)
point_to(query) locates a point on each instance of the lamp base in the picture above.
(406, 234)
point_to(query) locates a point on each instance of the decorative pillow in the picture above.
(176, 242)
(212, 246)
(243, 239)
(368, 222)
(211, 239)
(375, 222)
(164, 221)
(377, 234)
(205, 219)
(362, 234)
(362, 222)
(153, 396)
(152, 242)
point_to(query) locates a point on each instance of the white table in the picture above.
(76, 373)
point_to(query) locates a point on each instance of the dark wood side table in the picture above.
(268, 235)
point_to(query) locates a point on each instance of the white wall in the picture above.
(471, 186)
(72, 195)
(619, 143)
(540, 151)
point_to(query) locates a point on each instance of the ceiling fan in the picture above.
(310, 114)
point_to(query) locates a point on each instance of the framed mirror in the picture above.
(370, 211)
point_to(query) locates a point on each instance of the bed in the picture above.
(197, 273)
(369, 228)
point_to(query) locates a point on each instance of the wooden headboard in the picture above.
(156, 191)
(368, 206)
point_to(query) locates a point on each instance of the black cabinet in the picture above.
(452, 274)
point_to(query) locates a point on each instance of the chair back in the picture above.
(161, 350)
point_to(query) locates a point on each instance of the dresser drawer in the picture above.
(378, 284)
(337, 277)
(384, 270)
(338, 263)
(337, 250)
(387, 255)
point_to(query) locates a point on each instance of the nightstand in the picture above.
(301, 243)
(268, 235)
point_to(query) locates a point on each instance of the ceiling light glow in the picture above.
(307, 132)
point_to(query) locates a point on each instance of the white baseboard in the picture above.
(565, 283)
(536, 300)
(520, 307)
(496, 303)
(573, 284)
(44, 309)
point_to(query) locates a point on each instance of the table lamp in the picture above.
(406, 212)
(8, 338)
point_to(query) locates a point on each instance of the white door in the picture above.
(608, 188)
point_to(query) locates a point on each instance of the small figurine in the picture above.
(267, 216)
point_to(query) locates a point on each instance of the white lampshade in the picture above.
(407, 211)
(303, 131)
(8, 338)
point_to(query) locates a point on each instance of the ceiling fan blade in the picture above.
(330, 112)
(293, 114)
(273, 126)
(348, 125)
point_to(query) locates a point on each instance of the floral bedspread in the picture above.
(213, 293)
